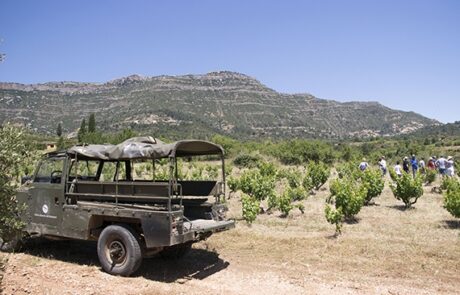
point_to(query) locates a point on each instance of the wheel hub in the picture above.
(117, 251)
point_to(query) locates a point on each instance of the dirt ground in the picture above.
(387, 251)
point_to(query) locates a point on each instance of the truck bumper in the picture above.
(200, 229)
(205, 225)
(194, 231)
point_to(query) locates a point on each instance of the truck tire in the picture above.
(119, 250)
(176, 251)
(15, 245)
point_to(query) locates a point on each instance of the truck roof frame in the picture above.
(145, 148)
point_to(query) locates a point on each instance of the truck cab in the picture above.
(130, 198)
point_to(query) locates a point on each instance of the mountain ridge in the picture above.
(221, 102)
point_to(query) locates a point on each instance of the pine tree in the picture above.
(59, 130)
(92, 124)
(82, 130)
(60, 143)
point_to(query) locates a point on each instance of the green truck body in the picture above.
(74, 195)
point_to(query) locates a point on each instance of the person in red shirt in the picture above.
(431, 164)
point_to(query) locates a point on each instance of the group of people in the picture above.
(443, 165)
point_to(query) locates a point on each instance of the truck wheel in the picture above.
(15, 245)
(119, 251)
(176, 251)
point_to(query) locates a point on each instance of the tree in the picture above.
(13, 151)
(60, 144)
(318, 173)
(406, 188)
(374, 183)
(82, 130)
(346, 200)
(452, 196)
(59, 130)
(92, 124)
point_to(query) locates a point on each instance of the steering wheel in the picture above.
(56, 176)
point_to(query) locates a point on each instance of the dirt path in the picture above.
(389, 251)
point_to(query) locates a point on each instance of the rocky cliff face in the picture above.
(198, 105)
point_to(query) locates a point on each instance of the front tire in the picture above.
(15, 245)
(119, 250)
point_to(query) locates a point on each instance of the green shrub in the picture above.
(253, 183)
(307, 183)
(233, 184)
(430, 176)
(446, 182)
(227, 143)
(267, 169)
(212, 171)
(296, 152)
(393, 174)
(349, 170)
(197, 173)
(247, 161)
(452, 197)
(161, 172)
(13, 154)
(334, 216)
(272, 201)
(318, 173)
(285, 202)
(251, 208)
(293, 176)
(228, 170)
(297, 194)
(348, 195)
(373, 182)
(407, 189)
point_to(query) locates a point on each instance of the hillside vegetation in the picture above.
(225, 103)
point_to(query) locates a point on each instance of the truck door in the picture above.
(47, 194)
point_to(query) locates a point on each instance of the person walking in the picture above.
(450, 166)
(441, 164)
(414, 165)
(421, 165)
(397, 169)
(383, 165)
(406, 164)
(431, 164)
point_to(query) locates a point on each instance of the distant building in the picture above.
(51, 146)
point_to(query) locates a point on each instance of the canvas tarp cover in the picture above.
(145, 147)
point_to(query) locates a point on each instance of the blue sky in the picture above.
(404, 54)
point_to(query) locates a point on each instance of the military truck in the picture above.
(93, 192)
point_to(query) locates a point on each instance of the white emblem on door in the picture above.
(45, 209)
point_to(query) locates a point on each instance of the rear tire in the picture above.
(176, 251)
(119, 250)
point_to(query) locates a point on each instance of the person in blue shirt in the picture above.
(414, 165)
